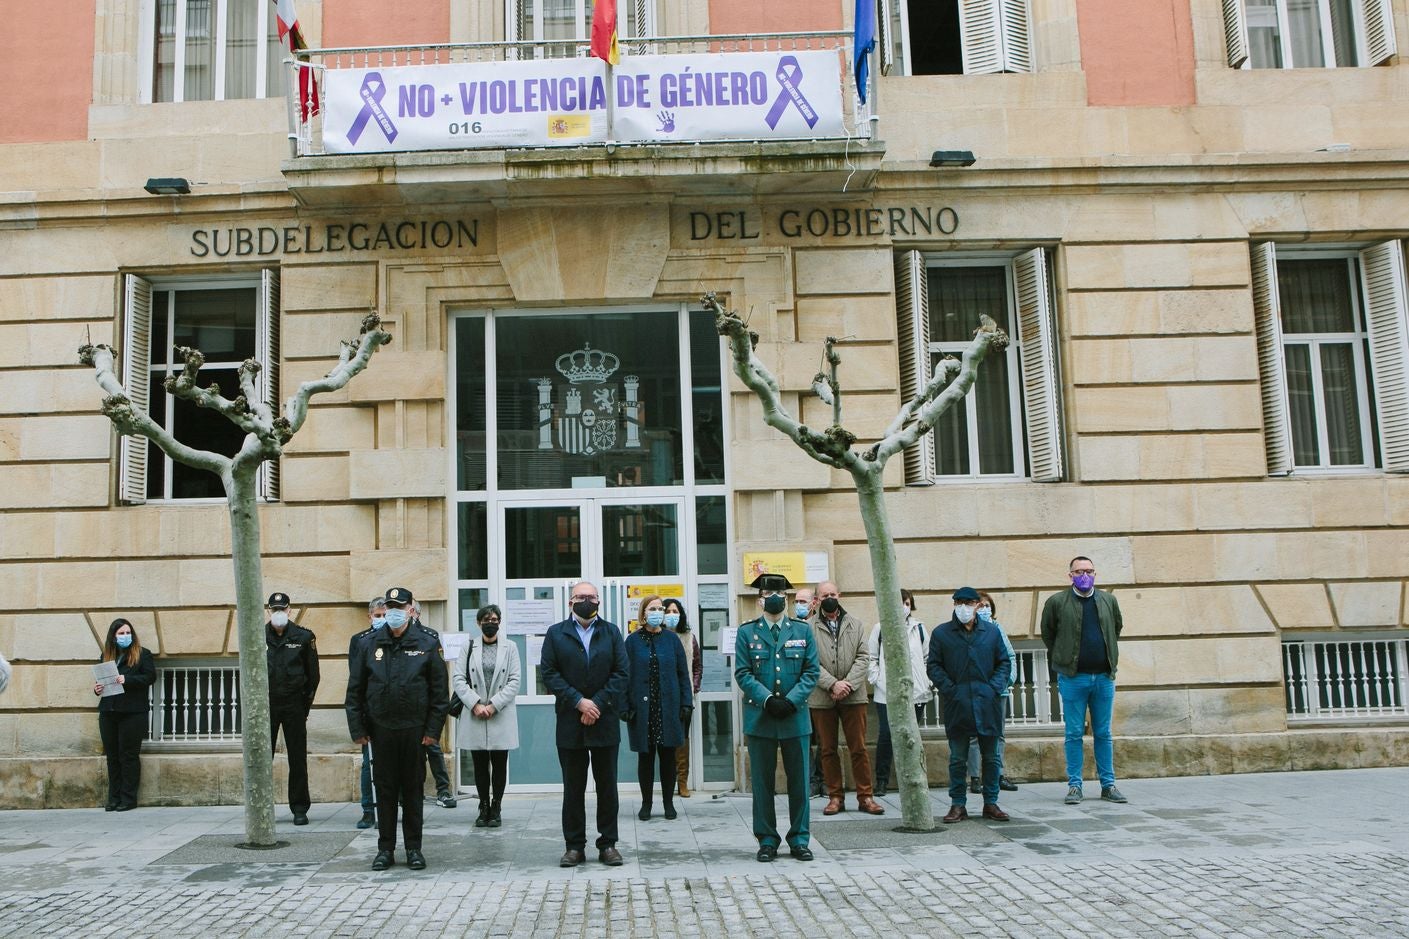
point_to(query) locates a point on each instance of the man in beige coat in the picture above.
(840, 696)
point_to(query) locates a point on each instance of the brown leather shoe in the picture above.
(572, 857)
(610, 857)
(834, 805)
(957, 813)
(995, 813)
(870, 806)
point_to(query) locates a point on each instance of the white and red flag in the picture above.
(292, 36)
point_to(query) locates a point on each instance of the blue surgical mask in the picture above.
(396, 618)
(672, 620)
(379, 622)
(800, 610)
(986, 615)
(655, 618)
(125, 641)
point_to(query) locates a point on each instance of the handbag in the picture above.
(457, 704)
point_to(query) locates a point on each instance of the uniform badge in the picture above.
(378, 656)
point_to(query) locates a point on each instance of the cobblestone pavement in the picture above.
(1294, 854)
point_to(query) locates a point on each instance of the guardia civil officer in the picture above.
(776, 667)
(397, 697)
(293, 680)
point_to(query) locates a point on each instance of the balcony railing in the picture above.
(196, 705)
(1326, 680)
(308, 134)
(1033, 703)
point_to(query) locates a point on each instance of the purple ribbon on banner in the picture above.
(789, 75)
(372, 92)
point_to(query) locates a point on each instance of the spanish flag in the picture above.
(292, 35)
(604, 31)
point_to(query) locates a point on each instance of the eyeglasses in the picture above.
(577, 598)
(1087, 571)
(490, 622)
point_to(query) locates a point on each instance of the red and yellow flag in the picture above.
(604, 31)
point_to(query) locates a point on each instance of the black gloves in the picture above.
(779, 706)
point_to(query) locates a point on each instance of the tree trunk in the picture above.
(254, 672)
(915, 810)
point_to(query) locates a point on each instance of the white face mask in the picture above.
(279, 619)
(964, 614)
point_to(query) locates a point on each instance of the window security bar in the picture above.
(197, 705)
(1363, 678)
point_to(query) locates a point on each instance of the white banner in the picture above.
(536, 103)
(728, 96)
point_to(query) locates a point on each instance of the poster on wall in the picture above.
(470, 105)
(801, 568)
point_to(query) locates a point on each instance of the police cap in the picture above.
(399, 596)
(775, 582)
(278, 601)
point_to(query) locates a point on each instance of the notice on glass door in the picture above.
(526, 617)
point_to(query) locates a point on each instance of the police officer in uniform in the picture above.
(776, 667)
(398, 693)
(293, 680)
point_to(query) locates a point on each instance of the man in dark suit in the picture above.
(584, 665)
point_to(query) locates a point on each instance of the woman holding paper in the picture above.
(122, 717)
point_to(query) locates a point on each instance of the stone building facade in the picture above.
(1199, 248)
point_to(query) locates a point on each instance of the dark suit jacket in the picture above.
(572, 673)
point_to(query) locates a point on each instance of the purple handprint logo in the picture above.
(667, 122)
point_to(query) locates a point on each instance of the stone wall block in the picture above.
(50, 637)
(1298, 606)
(396, 473)
(313, 478)
(195, 631)
(319, 287)
(823, 271)
(1237, 710)
(78, 298)
(1149, 712)
(372, 571)
(1368, 603)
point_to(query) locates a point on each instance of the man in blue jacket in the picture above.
(969, 665)
(584, 666)
(776, 668)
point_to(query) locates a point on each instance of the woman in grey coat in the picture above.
(487, 681)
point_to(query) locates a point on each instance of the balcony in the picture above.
(495, 121)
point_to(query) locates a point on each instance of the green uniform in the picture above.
(787, 665)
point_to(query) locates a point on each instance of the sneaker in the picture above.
(445, 800)
(1073, 795)
(367, 820)
(1112, 794)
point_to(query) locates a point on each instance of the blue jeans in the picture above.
(1096, 693)
(959, 762)
(369, 798)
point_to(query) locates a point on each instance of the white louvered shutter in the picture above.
(267, 352)
(136, 361)
(912, 321)
(1380, 43)
(1235, 31)
(1015, 30)
(1387, 315)
(1038, 354)
(1267, 317)
(884, 40)
(979, 36)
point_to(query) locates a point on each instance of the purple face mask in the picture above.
(1083, 582)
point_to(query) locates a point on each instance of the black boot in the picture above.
(484, 814)
(494, 820)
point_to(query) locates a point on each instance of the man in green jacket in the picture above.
(776, 667)
(1081, 630)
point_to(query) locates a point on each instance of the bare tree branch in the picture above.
(947, 369)
(184, 386)
(352, 359)
(260, 410)
(987, 336)
(132, 421)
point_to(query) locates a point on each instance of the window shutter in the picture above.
(884, 40)
(1267, 317)
(1038, 335)
(136, 365)
(912, 320)
(1380, 43)
(267, 352)
(1235, 29)
(978, 36)
(1387, 314)
(1015, 30)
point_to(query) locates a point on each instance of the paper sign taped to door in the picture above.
(530, 616)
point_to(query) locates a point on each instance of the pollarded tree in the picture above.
(266, 430)
(834, 446)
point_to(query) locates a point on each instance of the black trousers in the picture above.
(399, 776)
(122, 733)
(646, 773)
(575, 763)
(491, 773)
(294, 720)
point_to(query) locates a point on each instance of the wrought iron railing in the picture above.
(1354, 678)
(307, 131)
(1033, 703)
(196, 704)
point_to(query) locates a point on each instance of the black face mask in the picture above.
(774, 604)
(489, 630)
(831, 605)
(586, 609)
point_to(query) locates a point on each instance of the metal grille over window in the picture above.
(1346, 679)
(197, 705)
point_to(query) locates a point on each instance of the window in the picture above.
(569, 21)
(1009, 425)
(955, 37)
(1308, 33)
(1346, 678)
(196, 704)
(211, 50)
(229, 320)
(1333, 349)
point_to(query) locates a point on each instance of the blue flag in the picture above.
(863, 43)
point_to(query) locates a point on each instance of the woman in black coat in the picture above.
(122, 718)
(658, 703)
